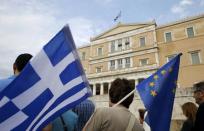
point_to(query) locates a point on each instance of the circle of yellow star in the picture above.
(151, 84)
(163, 72)
(156, 77)
(153, 93)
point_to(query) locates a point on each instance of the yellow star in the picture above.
(156, 77)
(163, 72)
(170, 69)
(153, 93)
(151, 84)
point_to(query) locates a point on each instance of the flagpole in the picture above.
(124, 98)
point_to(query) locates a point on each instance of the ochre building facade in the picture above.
(135, 51)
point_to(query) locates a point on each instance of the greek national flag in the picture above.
(52, 83)
(157, 93)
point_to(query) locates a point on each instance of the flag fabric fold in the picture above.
(157, 93)
(50, 84)
(117, 17)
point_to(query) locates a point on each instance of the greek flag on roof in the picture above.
(50, 84)
(157, 93)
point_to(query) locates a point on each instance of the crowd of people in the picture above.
(113, 118)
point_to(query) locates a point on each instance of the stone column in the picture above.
(94, 89)
(136, 82)
(109, 85)
(101, 89)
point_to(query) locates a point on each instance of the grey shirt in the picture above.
(112, 119)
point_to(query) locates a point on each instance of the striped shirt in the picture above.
(84, 111)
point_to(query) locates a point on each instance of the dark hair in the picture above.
(189, 110)
(199, 86)
(22, 60)
(118, 90)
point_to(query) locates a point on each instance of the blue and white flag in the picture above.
(157, 93)
(50, 84)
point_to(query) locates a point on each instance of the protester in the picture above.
(189, 110)
(199, 98)
(141, 115)
(84, 111)
(117, 118)
(18, 66)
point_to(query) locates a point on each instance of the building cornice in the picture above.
(122, 25)
(124, 34)
(187, 19)
(138, 70)
(148, 50)
(84, 46)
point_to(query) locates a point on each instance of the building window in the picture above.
(143, 62)
(127, 43)
(112, 64)
(98, 90)
(170, 57)
(113, 46)
(168, 37)
(190, 32)
(127, 62)
(83, 57)
(119, 44)
(99, 51)
(105, 89)
(142, 41)
(195, 58)
(120, 63)
(98, 69)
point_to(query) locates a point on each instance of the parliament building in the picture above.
(135, 51)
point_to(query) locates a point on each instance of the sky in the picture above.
(27, 25)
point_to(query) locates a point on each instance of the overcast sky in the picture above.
(27, 25)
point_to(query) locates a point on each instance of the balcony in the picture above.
(130, 70)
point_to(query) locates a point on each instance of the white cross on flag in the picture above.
(50, 84)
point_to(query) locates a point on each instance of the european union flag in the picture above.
(157, 93)
(50, 84)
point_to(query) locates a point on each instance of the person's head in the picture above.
(118, 90)
(189, 110)
(199, 92)
(21, 62)
(141, 115)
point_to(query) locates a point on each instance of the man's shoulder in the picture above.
(5, 82)
(201, 106)
(9, 79)
(112, 110)
(87, 103)
(70, 114)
